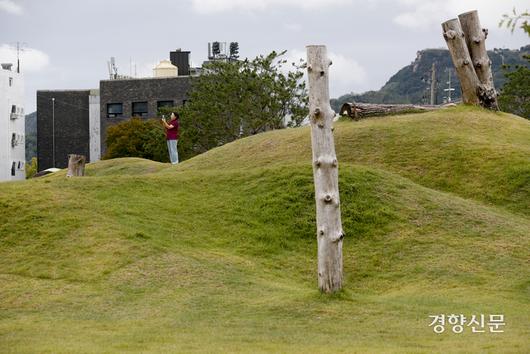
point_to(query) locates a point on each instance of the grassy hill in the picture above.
(218, 254)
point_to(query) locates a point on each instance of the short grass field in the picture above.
(218, 254)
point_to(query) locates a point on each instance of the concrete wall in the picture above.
(128, 91)
(12, 150)
(64, 121)
(94, 126)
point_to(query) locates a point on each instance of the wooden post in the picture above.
(76, 165)
(475, 37)
(454, 36)
(325, 172)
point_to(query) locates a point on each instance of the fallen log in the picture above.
(358, 111)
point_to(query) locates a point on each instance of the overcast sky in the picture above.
(68, 42)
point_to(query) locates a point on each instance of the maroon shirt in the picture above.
(173, 133)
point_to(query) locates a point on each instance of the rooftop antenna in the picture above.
(113, 69)
(109, 69)
(20, 49)
(217, 50)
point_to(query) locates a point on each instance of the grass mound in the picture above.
(218, 254)
(473, 153)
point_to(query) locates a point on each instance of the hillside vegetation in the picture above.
(218, 254)
(411, 84)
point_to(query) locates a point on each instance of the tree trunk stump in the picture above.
(454, 36)
(76, 165)
(325, 172)
(475, 37)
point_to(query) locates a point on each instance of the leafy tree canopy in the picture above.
(511, 21)
(515, 95)
(234, 99)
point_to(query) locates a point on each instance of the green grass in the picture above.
(218, 254)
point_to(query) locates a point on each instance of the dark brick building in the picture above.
(63, 121)
(80, 117)
(123, 99)
(181, 59)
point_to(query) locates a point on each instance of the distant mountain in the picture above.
(412, 83)
(31, 135)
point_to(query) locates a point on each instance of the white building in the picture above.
(12, 128)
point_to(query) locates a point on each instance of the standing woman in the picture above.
(172, 136)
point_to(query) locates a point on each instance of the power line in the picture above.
(71, 105)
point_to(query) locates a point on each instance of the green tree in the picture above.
(515, 94)
(137, 138)
(234, 99)
(511, 20)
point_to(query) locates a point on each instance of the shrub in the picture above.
(31, 168)
(137, 138)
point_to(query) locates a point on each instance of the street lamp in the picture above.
(53, 131)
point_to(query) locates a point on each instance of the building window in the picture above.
(161, 104)
(10, 81)
(139, 109)
(114, 110)
(13, 109)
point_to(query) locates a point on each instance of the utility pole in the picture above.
(449, 88)
(53, 131)
(433, 85)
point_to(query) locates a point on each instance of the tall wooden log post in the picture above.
(454, 36)
(76, 165)
(475, 37)
(325, 172)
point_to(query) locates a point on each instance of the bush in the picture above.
(31, 168)
(137, 138)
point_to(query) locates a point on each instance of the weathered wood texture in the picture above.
(358, 111)
(76, 165)
(325, 172)
(454, 36)
(475, 37)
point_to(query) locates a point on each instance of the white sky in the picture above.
(68, 42)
